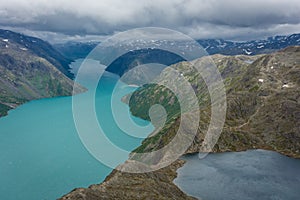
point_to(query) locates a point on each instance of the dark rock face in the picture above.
(134, 58)
(75, 50)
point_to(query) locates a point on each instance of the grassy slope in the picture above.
(25, 76)
(259, 115)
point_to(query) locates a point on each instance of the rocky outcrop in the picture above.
(120, 185)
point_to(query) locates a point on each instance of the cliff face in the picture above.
(263, 111)
(24, 76)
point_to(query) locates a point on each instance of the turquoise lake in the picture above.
(42, 156)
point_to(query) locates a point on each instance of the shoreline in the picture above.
(294, 156)
(117, 177)
(16, 106)
(183, 181)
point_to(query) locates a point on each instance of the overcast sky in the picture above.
(77, 19)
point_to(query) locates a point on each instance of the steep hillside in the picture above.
(24, 76)
(263, 104)
(119, 185)
(75, 50)
(40, 48)
(144, 56)
(261, 114)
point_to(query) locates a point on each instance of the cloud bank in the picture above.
(229, 19)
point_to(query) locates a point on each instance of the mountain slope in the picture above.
(25, 75)
(119, 186)
(75, 50)
(138, 57)
(263, 104)
(259, 115)
(40, 48)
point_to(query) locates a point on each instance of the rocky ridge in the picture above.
(263, 111)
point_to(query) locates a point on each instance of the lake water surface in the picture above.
(249, 175)
(42, 156)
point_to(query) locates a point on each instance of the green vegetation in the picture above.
(3, 109)
(259, 114)
(24, 76)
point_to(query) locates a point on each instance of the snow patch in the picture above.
(285, 86)
(248, 61)
(248, 52)
(5, 40)
(23, 49)
(222, 45)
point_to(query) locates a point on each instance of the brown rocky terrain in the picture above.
(121, 185)
(263, 111)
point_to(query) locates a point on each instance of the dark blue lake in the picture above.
(249, 175)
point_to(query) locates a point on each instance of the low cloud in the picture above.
(228, 19)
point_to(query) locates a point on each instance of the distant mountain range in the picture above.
(75, 50)
(253, 47)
